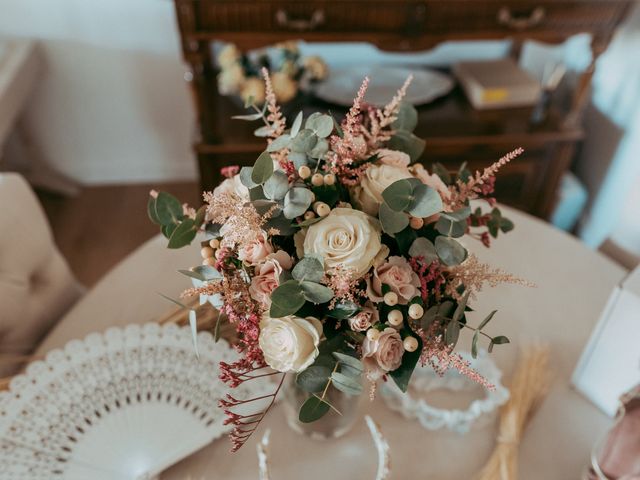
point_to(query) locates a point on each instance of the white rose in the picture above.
(233, 185)
(228, 55)
(394, 158)
(230, 79)
(289, 344)
(377, 177)
(347, 238)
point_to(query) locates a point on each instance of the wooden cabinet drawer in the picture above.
(522, 16)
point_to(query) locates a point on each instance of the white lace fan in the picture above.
(122, 405)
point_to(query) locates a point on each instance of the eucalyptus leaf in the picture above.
(460, 214)
(346, 384)
(422, 247)
(450, 228)
(407, 118)
(192, 274)
(343, 310)
(450, 251)
(407, 142)
(442, 172)
(245, 177)
(167, 230)
(256, 194)
(398, 195)
(168, 209)
(392, 221)
(459, 311)
(304, 141)
(425, 202)
(313, 409)
(499, 340)
(314, 378)
(183, 234)
(298, 158)
(286, 299)
(297, 123)
(277, 186)
(151, 211)
(297, 201)
(316, 293)
(309, 222)
(320, 124)
(310, 269)
(452, 333)
(281, 224)
(250, 117)
(474, 344)
(262, 169)
(279, 143)
(349, 365)
(486, 320)
(320, 149)
(263, 131)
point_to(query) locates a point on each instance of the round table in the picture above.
(573, 284)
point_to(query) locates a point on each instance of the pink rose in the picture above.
(384, 354)
(394, 158)
(267, 276)
(363, 320)
(254, 252)
(398, 275)
(430, 180)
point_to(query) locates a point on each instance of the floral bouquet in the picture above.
(337, 258)
(240, 73)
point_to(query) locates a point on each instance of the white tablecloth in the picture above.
(573, 284)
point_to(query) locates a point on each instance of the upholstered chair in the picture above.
(36, 284)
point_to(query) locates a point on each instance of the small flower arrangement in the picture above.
(337, 257)
(240, 73)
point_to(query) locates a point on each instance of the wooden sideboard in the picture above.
(454, 131)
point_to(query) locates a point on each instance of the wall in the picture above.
(112, 105)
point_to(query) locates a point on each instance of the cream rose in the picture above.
(394, 158)
(399, 276)
(233, 185)
(267, 276)
(289, 344)
(316, 67)
(254, 252)
(284, 87)
(384, 354)
(228, 55)
(253, 88)
(347, 238)
(230, 79)
(377, 177)
(431, 180)
(363, 320)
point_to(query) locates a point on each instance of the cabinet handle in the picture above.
(506, 18)
(300, 25)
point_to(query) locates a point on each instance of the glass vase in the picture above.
(332, 424)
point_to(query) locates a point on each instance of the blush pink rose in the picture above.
(384, 354)
(399, 276)
(267, 276)
(255, 252)
(363, 320)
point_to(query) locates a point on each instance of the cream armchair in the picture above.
(36, 284)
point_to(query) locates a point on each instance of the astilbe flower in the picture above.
(275, 118)
(430, 275)
(344, 284)
(440, 357)
(472, 275)
(377, 132)
(480, 184)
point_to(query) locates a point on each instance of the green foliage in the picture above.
(349, 365)
(499, 340)
(309, 268)
(279, 143)
(183, 234)
(297, 201)
(402, 374)
(165, 209)
(442, 172)
(392, 221)
(316, 293)
(277, 186)
(295, 126)
(407, 142)
(407, 119)
(246, 173)
(320, 124)
(304, 141)
(450, 251)
(346, 384)
(286, 299)
(398, 195)
(425, 201)
(262, 169)
(422, 247)
(314, 408)
(343, 310)
(314, 378)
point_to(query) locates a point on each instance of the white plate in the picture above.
(343, 83)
